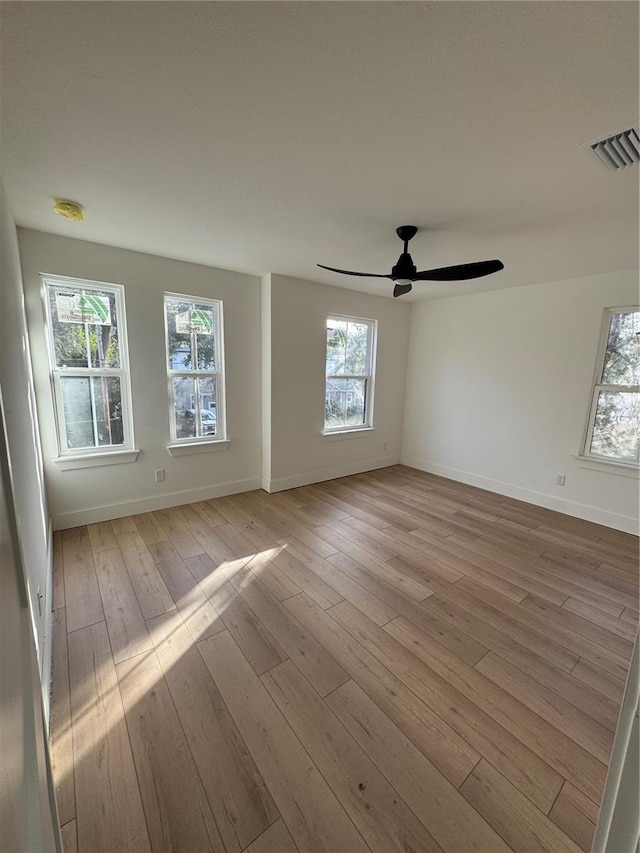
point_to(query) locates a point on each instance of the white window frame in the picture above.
(368, 377)
(218, 374)
(597, 386)
(122, 373)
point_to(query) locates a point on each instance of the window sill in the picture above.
(96, 460)
(606, 466)
(338, 435)
(198, 447)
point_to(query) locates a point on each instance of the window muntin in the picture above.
(195, 368)
(86, 331)
(614, 415)
(349, 373)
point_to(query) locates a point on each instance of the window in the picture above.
(86, 331)
(349, 372)
(614, 416)
(195, 367)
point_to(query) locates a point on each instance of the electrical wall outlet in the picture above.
(159, 475)
(561, 479)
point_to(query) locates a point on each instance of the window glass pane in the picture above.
(191, 335)
(84, 327)
(184, 406)
(178, 335)
(615, 430)
(345, 403)
(108, 397)
(193, 338)
(336, 346)
(622, 358)
(92, 411)
(208, 414)
(203, 323)
(357, 353)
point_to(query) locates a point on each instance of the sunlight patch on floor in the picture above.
(171, 641)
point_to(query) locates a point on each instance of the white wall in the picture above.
(92, 494)
(28, 820)
(618, 828)
(498, 386)
(299, 453)
(23, 444)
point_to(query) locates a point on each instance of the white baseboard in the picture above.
(63, 520)
(626, 523)
(319, 476)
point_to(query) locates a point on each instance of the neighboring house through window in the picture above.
(86, 332)
(195, 368)
(350, 360)
(614, 414)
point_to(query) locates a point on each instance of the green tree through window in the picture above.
(194, 364)
(349, 373)
(614, 420)
(88, 364)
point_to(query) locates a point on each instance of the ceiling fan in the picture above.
(404, 273)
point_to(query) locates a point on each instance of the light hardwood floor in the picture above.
(389, 662)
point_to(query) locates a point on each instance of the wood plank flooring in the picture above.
(387, 662)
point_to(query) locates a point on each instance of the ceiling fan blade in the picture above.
(401, 289)
(461, 272)
(348, 272)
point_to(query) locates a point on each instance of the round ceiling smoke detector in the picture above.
(69, 209)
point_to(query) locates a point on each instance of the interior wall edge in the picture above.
(92, 515)
(618, 827)
(265, 367)
(625, 523)
(320, 475)
(21, 418)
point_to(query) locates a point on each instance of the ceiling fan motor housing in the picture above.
(404, 268)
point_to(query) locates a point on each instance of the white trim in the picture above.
(617, 828)
(198, 447)
(322, 474)
(607, 466)
(626, 523)
(597, 385)
(47, 643)
(78, 282)
(123, 373)
(95, 460)
(64, 520)
(368, 378)
(218, 375)
(338, 434)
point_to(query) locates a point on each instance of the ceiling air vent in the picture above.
(618, 150)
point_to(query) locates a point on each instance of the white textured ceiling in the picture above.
(266, 137)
